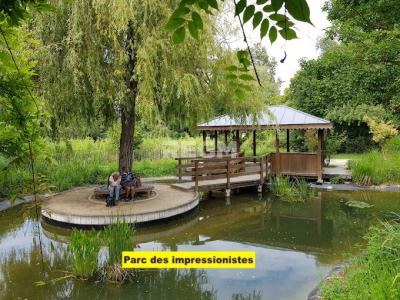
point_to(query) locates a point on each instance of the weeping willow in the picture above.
(100, 59)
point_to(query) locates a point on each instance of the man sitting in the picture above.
(127, 182)
(114, 187)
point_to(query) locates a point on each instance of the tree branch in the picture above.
(248, 48)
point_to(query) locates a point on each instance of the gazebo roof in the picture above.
(276, 116)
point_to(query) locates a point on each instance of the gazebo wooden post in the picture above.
(226, 138)
(237, 141)
(277, 154)
(254, 143)
(204, 141)
(287, 141)
(216, 142)
(320, 156)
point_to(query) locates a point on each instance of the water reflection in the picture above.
(296, 245)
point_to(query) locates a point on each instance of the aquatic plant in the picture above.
(358, 204)
(84, 250)
(337, 180)
(290, 191)
(118, 237)
(376, 273)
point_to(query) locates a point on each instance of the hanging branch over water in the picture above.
(248, 48)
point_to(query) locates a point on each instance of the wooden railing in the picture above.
(227, 167)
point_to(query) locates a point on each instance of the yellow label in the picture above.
(188, 259)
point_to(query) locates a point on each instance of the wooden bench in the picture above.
(101, 192)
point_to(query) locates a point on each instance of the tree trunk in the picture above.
(128, 109)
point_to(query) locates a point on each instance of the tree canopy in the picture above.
(358, 73)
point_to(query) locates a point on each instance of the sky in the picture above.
(302, 47)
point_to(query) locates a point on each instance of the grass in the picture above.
(64, 165)
(290, 191)
(376, 273)
(375, 168)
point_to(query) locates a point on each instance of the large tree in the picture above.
(358, 72)
(105, 60)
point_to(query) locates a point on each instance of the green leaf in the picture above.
(193, 30)
(40, 283)
(264, 28)
(52, 247)
(299, 10)
(277, 4)
(268, 8)
(284, 24)
(213, 3)
(248, 13)
(197, 20)
(203, 4)
(174, 23)
(189, 2)
(179, 35)
(261, 2)
(258, 16)
(278, 17)
(180, 11)
(240, 6)
(246, 77)
(273, 34)
(288, 33)
(245, 87)
(230, 77)
(240, 94)
(231, 68)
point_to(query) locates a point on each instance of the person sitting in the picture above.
(127, 182)
(114, 187)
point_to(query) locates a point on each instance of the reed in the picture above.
(118, 237)
(83, 252)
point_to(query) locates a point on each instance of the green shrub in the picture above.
(84, 250)
(376, 273)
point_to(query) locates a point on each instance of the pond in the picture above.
(296, 245)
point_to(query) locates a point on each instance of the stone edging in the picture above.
(315, 294)
(355, 187)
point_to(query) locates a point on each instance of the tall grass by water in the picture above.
(296, 190)
(376, 273)
(375, 168)
(84, 250)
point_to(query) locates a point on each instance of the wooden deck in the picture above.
(220, 184)
(232, 171)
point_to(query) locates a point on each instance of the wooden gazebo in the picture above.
(221, 165)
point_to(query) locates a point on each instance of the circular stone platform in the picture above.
(77, 207)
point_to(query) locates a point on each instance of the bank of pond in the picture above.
(297, 243)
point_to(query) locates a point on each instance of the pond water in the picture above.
(296, 245)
